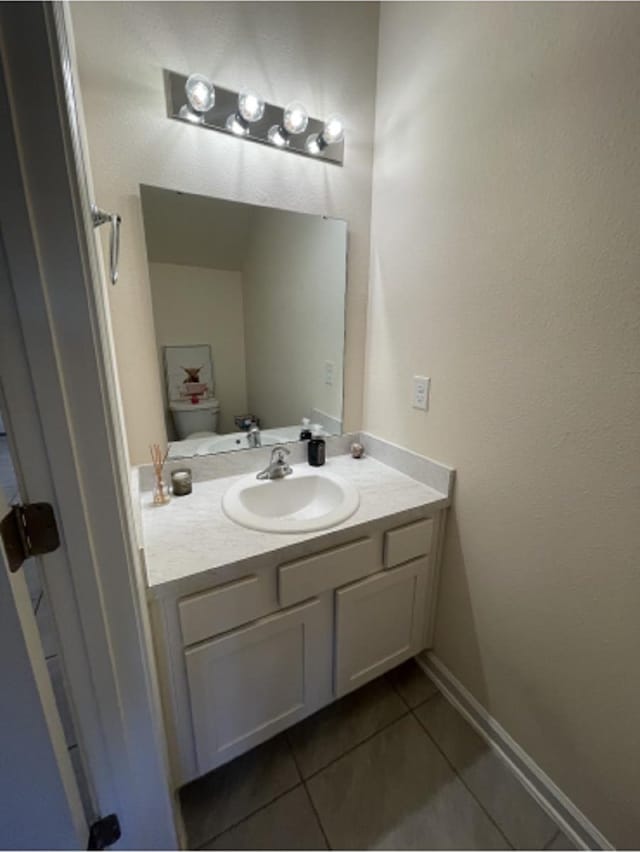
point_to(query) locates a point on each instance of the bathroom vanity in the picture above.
(254, 630)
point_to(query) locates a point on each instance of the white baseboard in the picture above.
(560, 808)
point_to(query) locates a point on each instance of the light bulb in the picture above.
(333, 131)
(296, 118)
(189, 115)
(278, 136)
(313, 144)
(250, 105)
(200, 93)
(236, 124)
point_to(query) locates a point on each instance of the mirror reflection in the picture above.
(248, 307)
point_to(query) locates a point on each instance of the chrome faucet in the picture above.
(277, 467)
(254, 439)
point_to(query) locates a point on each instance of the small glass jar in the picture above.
(161, 494)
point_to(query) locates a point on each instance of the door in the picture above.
(379, 623)
(41, 807)
(251, 683)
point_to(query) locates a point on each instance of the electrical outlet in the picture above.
(420, 398)
(329, 372)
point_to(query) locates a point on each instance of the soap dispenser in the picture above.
(305, 432)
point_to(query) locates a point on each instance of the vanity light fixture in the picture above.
(331, 134)
(246, 115)
(250, 109)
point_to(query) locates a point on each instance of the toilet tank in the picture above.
(200, 417)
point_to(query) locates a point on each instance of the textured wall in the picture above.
(506, 266)
(321, 53)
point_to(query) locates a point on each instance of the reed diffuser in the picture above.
(160, 489)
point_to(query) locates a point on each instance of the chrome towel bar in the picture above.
(100, 217)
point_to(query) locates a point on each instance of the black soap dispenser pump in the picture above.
(317, 450)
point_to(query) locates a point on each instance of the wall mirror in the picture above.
(249, 313)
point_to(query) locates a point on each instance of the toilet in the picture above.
(195, 420)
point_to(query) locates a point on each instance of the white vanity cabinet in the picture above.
(272, 640)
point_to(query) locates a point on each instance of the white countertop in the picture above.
(192, 534)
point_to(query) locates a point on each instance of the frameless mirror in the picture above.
(248, 306)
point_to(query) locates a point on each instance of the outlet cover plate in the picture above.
(420, 395)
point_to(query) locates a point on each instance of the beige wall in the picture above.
(506, 266)
(294, 282)
(192, 305)
(323, 54)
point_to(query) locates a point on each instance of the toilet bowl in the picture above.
(195, 419)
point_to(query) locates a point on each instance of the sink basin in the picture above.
(302, 502)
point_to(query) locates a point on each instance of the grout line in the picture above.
(427, 700)
(462, 781)
(249, 815)
(357, 745)
(318, 820)
(553, 837)
(306, 789)
(396, 690)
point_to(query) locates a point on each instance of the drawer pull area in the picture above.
(223, 608)
(408, 542)
(315, 574)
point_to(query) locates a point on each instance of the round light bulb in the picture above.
(278, 136)
(236, 124)
(200, 93)
(189, 115)
(313, 144)
(250, 105)
(296, 118)
(333, 130)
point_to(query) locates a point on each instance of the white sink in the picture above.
(305, 501)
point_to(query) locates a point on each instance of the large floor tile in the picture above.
(326, 735)
(561, 842)
(519, 816)
(396, 791)
(287, 823)
(412, 683)
(222, 798)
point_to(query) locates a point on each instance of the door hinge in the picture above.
(104, 832)
(28, 530)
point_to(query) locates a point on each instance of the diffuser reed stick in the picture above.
(160, 490)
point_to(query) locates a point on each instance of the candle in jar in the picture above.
(181, 482)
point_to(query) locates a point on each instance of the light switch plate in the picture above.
(329, 372)
(420, 396)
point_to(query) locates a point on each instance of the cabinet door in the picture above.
(249, 684)
(380, 622)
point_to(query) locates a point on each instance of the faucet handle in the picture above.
(279, 452)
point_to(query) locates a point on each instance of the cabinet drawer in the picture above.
(408, 542)
(379, 623)
(225, 607)
(312, 575)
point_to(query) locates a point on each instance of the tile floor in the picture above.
(391, 766)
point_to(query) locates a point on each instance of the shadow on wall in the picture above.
(454, 585)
